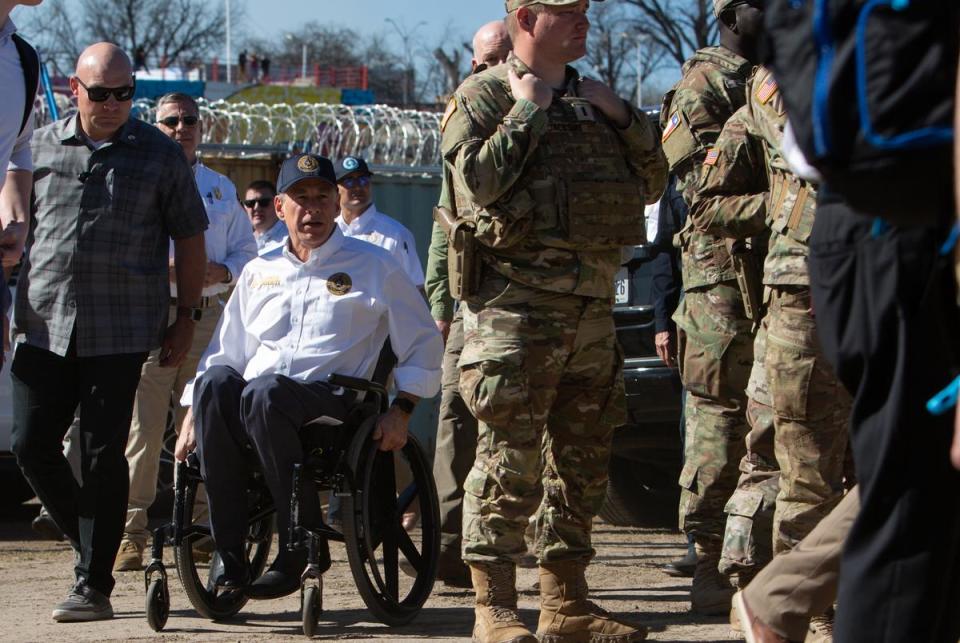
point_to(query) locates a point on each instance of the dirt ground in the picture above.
(624, 578)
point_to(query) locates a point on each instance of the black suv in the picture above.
(646, 457)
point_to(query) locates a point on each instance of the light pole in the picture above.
(303, 60)
(229, 51)
(638, 40)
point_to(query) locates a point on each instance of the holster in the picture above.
(749, 277)
(463, 259)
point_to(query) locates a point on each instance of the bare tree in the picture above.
(168, 30)
(680, 27)
(52, 29)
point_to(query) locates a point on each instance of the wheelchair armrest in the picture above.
(360, 384)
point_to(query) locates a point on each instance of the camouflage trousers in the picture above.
(748, 536)
(536, 362)
(715, 348)
(811, 412)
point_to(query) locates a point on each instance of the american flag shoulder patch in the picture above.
(766, 91)
(672, 125)
(712, 157)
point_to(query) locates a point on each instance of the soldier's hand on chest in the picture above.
(604, 99)
(531, 88)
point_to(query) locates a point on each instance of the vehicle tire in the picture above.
(158, 604)
(640, 494)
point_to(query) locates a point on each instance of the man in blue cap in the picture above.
(299, 314)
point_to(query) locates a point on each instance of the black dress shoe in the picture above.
(283, 577)
(230, 571)
(682, 567)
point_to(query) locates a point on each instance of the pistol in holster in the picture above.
(749, 277)
(463, 258)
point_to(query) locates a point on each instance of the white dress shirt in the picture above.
(328, 315)
(270, 240)
(382, 230)
(229, 239)
(14, 144)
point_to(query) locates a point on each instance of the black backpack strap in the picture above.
(30, 62)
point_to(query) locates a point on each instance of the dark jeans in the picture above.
(235, 419)
(47, 389)
(887, 319)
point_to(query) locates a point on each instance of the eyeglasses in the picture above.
(173, 121)
(262, 202)
(351, 182)
(100, 94)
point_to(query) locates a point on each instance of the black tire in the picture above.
(203, 594)
(158, 604)
(311, 609)
(373, 531)
(640, 494)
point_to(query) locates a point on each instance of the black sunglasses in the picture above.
(353, 181)
(100, 94)
(262, 202)
(173, 121)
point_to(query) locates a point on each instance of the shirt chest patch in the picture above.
(339, 284)
(264, 281)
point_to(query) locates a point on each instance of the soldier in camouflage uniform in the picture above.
(810, 406)
(552, 172)
(715, 336)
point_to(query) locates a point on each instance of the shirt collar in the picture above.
(69, 131)
(362, 223)
(319, 255)
(8, 29)
(572, 78)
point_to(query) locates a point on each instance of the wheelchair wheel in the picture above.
(311, 609)
(158, 604)
(373, 532)
(199, 582)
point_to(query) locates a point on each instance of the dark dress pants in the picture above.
(47, 389)
(234, 420)
(887, 319)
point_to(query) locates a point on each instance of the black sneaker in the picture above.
(83, 603)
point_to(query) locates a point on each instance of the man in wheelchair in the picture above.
(323, 304)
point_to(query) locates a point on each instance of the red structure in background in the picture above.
(341, 77)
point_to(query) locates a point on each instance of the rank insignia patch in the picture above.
(339, 284)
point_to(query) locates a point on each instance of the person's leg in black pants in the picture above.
(274, 408)
(222, 446)
(47, 390)
(887, 319)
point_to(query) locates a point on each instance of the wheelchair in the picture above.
(344, 460)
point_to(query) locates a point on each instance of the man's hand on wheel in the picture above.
(391, 430)
(186, 441)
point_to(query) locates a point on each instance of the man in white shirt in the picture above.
(268, 230)
(230, 245)
(321, 305)
(359, 218)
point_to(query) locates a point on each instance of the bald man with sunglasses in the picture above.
(109, 193)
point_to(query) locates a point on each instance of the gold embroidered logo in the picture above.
(339, 284)
(264, 282)
(217, 193)
(307, 164)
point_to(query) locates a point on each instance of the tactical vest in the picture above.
(577, 187)
(792, 205)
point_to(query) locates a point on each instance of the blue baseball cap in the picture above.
(305, 166)
(352, 165)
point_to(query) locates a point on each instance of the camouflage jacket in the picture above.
(712, 88)
(746, 185)
(491, 142)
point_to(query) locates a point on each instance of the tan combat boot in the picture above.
(497, 620)
(711, 593)
(566, 616)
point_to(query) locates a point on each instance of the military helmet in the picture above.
(513, 5)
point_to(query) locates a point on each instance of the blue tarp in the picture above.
(156, 88)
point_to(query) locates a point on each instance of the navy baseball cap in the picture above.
(305, 166)
(352, 165)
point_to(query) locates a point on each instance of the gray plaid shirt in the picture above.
(98, 247)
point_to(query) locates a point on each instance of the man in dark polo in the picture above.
(109, 193)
